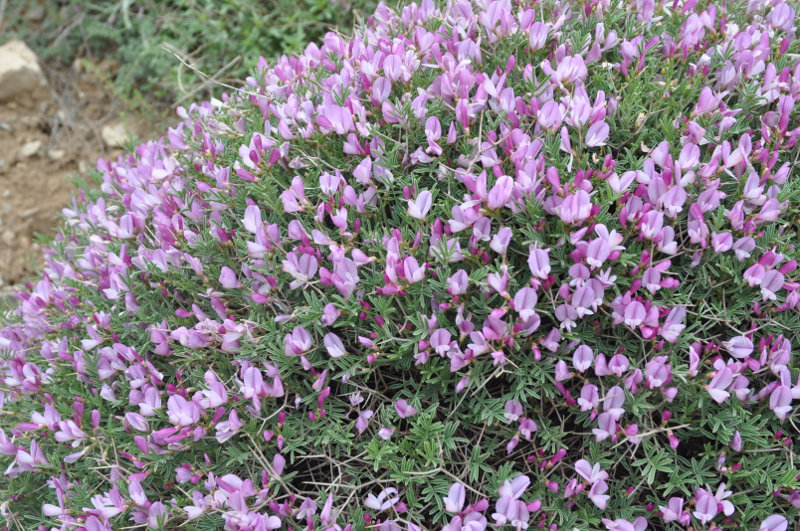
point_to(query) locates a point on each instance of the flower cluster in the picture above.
(483, 265)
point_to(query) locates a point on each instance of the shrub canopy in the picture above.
(483, 265)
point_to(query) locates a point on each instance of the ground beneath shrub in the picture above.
(46, 139)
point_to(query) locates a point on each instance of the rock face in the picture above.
(19, 70)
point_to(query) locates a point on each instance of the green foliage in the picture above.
(221, 38)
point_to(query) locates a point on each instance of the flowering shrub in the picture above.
(482, 266)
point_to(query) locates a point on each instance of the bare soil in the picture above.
(46, 139)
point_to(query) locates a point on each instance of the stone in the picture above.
(114, 134)
(19, 70)
(29, 149)
(56, 154)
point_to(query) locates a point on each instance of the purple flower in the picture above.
(182, 412)
(582, 358)
(575, 208)
(739, 346)
(228, 278)
(640, 524)
(598, 495)
(782, 17)
(456, 496)
(539, 262)
(591, 473)
(780, 401)
(419, 207)
(298, 342)
(597, 134)
(386, 499)
(404, 409)
(329, 314)
(334, 346)
(674, 511)
(513, 410)
(607, 427)
(719, 384)
(774, 522)
(537, 35)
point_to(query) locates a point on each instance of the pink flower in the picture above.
(582, 358)
(227, 429)
(385, 499)
(707, 101)
(640, 524)
(589, 398)
(329, 314)
(454, 501)
(334, 346)
(575, 208)
(782, 17)
(404, 409)
(598, 495)
(525, 302)
(739, 346)
(719, 384)
(537, 35)
(539, 262)
(607, 427)
(182, 412)
(780, 401)
(336, 118)
(674, 511)
(298, 342)
(550, 115)
(597, 134)
(228, 278)
(774, 522)
(589, 472)
(513, 410)
(419, 207)
(736, 442)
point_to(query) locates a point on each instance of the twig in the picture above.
(170, 49)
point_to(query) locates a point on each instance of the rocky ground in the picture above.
(54, 124)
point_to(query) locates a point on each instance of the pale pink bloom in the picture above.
(404, 409)
(418, 208)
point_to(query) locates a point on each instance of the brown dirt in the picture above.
(65, 121)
